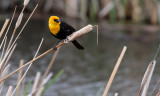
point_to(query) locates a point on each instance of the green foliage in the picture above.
(52, 81)
(99, 92)
(92, 11)
(124, 3)
(27, 88)
(113, 15)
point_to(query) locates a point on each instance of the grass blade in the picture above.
(27, 88)
(52, 81)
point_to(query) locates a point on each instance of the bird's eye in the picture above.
(57, 20)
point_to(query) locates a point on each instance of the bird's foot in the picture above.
(66, 40)
(55, 49)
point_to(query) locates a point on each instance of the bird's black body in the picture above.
(66, 30)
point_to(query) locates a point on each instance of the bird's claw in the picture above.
(66, 40)
(55, 49)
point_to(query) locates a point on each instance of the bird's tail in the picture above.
(77, 45)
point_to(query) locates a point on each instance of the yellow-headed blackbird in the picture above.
(61, 30)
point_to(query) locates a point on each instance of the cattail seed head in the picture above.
(19, 20)
(26, 2)
(80, 32)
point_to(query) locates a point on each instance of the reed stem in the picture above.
(114, 71)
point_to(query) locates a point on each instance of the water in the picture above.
(86, 72)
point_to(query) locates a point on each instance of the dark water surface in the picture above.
(86, 72)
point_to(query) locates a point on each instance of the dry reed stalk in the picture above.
(4, 27)
(147, 77)
(9, 57)
(18, 21)
(5, 56)
(151, 9)
(97, 33)
(10, 24)
(25, 3)
(24, 25)
(107, 8)
(9, 91)
(135, 10)
(39, 91)
(2, 42)
(154, 14)
(5, 40)
(114, 71)
(71, 8)
(120, 10)
(36, 82)
(22, 87)
(155, 88)
(5, 63)
(158, 11)
(11, 21)
(116, 94)
(1, 89)
(158, 94)
(49, 66)
(47, 79)
(5, 71)
(28, 68)
(19, 76)
(16, 26)
(72, 37)
(7, 52)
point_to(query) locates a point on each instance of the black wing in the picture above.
(65, 30)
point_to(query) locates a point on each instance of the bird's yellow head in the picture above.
(54, 20)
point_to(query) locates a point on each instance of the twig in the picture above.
(114, 71)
